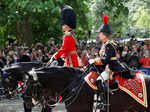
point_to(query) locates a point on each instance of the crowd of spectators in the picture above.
(21, 53)
(43, 52)
(39, 52)
(136, 51)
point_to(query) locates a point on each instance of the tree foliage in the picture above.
(142, 18)
(139, 18)
(39, 19)
(115, 9)
(123, 14)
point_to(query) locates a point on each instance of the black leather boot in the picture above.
(103, 87)
(100, 86)
(101, 93)
(114, 85)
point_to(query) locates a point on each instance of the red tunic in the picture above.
(145, 61)
(68, 50)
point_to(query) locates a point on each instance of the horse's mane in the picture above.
(54, 71)
(58, 75)
(71, 70)
(21, 66)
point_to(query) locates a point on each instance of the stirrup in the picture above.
(102, 106)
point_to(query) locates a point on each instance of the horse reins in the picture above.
(76, 95)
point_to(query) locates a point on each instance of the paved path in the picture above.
(16, 105)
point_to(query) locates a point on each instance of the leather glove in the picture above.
(95, 61)
(50, 61)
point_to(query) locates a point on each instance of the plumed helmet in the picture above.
(68, 16)
(105, 28)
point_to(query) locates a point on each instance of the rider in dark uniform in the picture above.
(107, 63)
(108, 58)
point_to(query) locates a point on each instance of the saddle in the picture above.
(129, 74)
(113, 85)
(135, 87)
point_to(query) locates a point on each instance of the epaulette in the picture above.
(114, 44)
(67, 33)
(107, 42)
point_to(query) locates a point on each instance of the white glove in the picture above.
(91, 61)
(52, 58)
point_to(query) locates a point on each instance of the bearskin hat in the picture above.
(68, 16)
(105, 28)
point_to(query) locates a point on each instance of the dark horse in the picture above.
(54, 81)
(52, 87)
(47, 83)
(12, 74)
(15, 72)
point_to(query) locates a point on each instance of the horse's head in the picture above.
(46, 84)
(13, 74)
(36, 91)
(10, 78)
(33, 92)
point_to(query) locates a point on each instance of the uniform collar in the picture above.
(106, 41)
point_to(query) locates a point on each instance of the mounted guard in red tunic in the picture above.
(68, 48)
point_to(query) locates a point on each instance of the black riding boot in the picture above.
(103, 86)
(101, 93)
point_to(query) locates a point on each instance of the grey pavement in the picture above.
(16, 105)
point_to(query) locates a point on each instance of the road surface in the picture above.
(16, 105)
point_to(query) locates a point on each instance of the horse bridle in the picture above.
(71, 97)
(8, 78)
(39, 98)
(68, 98)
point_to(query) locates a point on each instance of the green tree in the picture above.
(115, 9)
(139, 18)
(39, 20)
(142, 18)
